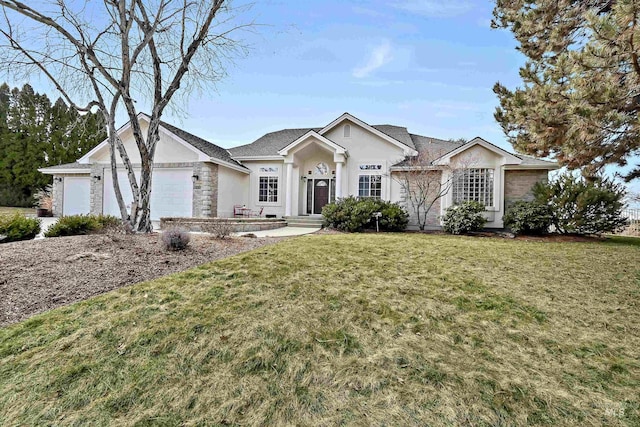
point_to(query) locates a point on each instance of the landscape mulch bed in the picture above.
(39, 275)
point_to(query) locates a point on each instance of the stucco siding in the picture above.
(168, 150)
(269, 168)
(233, 189)
(364, 147)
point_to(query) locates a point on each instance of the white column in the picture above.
(338, 180)
(289, 190)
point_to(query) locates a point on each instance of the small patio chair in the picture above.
(238, 210)
(257, 214)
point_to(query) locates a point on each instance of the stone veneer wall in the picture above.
(58, 194)
(238, 224)
(518, 184)
(205, 190)
(96, 188)
(433, 220)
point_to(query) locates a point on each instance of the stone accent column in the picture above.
(96, 192)
(205, 190)
(57, 194)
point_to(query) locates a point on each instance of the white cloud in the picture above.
(379, 56)
(434, 8)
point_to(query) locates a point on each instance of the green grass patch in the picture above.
(395, 329)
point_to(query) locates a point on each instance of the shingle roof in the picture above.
(203, 145)
(271, 143)
(528, 160)
(398, 133)
(431, 148)
(435, 148)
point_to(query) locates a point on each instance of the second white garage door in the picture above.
(76, 195)
(171, 194)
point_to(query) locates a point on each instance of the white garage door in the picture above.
(171, 193)
(75, 196)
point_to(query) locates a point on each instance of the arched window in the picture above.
(347, 131)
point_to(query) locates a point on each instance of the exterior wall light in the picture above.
(97, 177)
(195, 178)
(57, 179)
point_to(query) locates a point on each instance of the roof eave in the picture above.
(54, 171)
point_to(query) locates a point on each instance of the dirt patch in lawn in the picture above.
(36, 276)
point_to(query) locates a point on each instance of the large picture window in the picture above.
(268, 189)
(473, 185)
(370, 186)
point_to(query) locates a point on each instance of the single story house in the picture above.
(295, 172)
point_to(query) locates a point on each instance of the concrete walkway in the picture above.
(45, 223)
(281, 232)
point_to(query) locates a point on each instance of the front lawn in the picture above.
(7, 210)
(395, 329)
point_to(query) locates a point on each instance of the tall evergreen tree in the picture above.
(580, 99)
(34, 134)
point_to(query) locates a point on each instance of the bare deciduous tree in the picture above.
(111, 54)
(424, 181)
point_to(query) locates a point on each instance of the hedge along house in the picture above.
(295, 172)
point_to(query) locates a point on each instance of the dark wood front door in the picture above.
(320, 195)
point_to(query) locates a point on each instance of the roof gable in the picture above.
(312, 134)
(376, 130)
(509, 158)
(205, 150)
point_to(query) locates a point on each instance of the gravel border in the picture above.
(39, 275)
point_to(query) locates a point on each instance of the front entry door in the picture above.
(320, 195)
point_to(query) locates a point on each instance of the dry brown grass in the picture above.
(399, 329)
(6, 210)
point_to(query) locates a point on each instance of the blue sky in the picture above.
(425, 64)
(407, 62)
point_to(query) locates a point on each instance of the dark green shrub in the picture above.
(74, 225)
(464, 218)
(18, 227)
(109, 224)
(528, 218)
(175, 239)
(582, 207)
(394, 217)
(354, 214)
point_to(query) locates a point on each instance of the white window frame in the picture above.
(474, 184)
(273, 197)
(368, 187)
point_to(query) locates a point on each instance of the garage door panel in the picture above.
(76, 195)
(171, 193)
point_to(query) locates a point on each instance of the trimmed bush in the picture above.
(464, 218)
(175, 239)
(582, 207)
(75, 225)
(18, 227)
(354, 214)
(531, 218)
